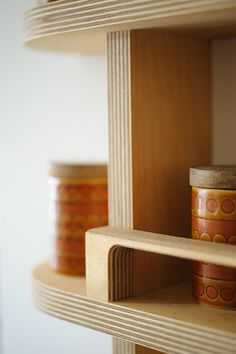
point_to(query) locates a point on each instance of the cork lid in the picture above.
(72, 170)
(216, 177)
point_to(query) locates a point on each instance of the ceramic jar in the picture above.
(78, 202)
(214, 220)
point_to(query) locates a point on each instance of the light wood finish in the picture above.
(149, 159)
(120, 169)
(153, 144)
(120, 186)
(120, 144)
(143, 126)
(121, 346)
(120, 165)
(171, 126)
(160, 125)
(167, 320)
(124, 347)
(101, 259)
(79, 25)
(120, 173)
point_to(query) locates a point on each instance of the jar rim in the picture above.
(77, 170)
(217, 177)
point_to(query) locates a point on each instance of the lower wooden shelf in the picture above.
(167, 319)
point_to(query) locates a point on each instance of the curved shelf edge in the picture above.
(51, 26)
(167, 320)
(75, 42)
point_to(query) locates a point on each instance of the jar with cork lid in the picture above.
(214, 220)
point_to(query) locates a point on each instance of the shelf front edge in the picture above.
(78, 26)
(159, 320)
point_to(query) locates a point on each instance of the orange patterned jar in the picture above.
(78, 202)
(214, 220)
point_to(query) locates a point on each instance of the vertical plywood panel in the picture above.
(120, 161)
(171, 126)
(160, 125)
(224, 103)
(171, 131)
(120, 157)
(121, 346)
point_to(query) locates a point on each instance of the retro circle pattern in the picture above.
(78, 190)
(214, 220)
(76, 205)
(220, 293)
(221, 231)
(214, 204)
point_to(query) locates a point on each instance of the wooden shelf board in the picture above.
(167, 319)
(181, 247)
(75, 21)
(107, 258)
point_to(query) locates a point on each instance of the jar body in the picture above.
(76, 205)
(214, 220)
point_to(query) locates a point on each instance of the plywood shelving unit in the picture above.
(160, 74)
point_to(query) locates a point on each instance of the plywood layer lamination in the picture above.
(79, 26)
(167, 320)
(160, 125)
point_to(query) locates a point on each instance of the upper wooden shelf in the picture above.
(167, 319)
(81, 25)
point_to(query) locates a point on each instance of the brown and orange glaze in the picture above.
(214, 220)
(78, 202)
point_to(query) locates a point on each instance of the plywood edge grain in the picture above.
(106, 256)
(166, 320)
(209, 18)
(169, 245)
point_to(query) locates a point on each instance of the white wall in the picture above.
(52, 107)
